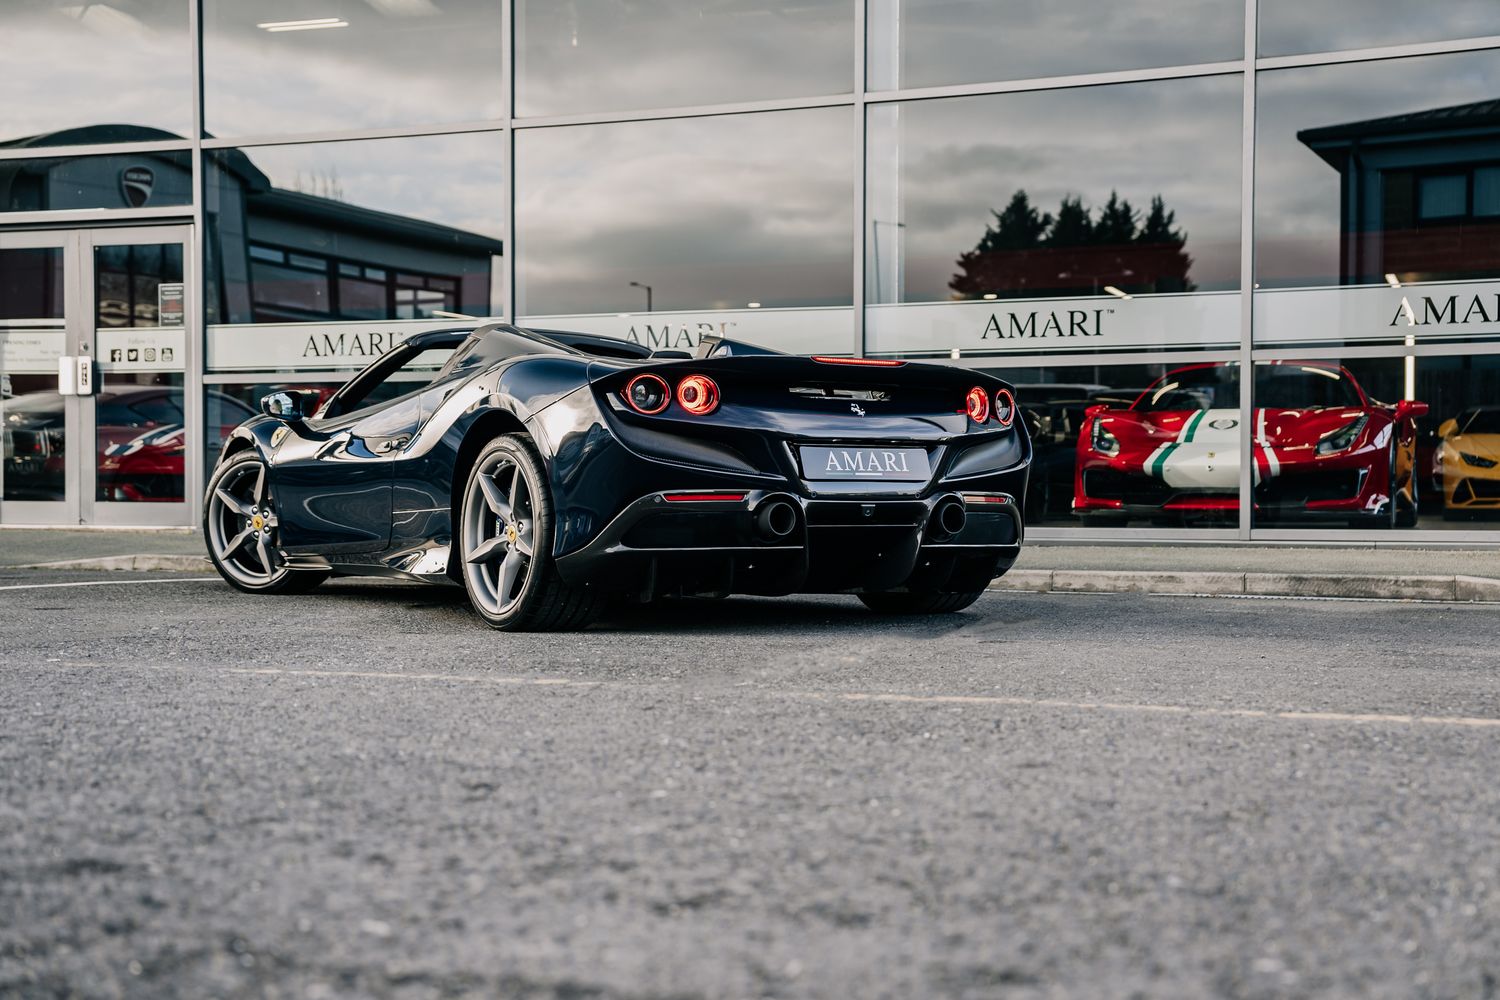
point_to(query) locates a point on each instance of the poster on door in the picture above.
(31, 350)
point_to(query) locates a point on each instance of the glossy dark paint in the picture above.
(374, 491)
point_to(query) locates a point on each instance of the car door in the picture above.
(333, 475)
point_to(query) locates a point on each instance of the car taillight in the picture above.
(647, 394)
(698, 395)
(1005, 407)
(978, 405)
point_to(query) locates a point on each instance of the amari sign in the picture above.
(1373, 313)
(299, 347)
(1055, 326)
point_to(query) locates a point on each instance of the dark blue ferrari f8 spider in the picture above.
(553, 474)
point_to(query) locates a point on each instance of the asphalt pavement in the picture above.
(362, 792)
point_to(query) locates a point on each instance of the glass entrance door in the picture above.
(117, 445)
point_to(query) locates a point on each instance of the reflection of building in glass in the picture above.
(1419, 193)
(287, 255)
(276, 254)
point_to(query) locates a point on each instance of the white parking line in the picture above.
(925, 699)
(105, 583)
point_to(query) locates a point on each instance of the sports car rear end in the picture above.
(798, 475)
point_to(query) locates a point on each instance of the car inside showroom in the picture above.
(1240, 258)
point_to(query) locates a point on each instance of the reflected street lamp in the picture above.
(637, 284)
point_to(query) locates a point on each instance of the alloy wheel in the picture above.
(499, 534)
(243, 526)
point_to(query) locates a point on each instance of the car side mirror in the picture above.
(1447, 427)
(291, 406)
(1410, 409)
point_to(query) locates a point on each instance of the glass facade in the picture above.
(1241, 259)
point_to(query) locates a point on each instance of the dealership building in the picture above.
(1119, 208)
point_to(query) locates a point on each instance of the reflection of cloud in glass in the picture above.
(454, 180)
(1297, 26)
(961, 158)
(972, 41)
(604, 55)
(1297, 216)
(390, 66)
(93, 64)
(711, 212)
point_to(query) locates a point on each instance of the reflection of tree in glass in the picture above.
(1030, 253)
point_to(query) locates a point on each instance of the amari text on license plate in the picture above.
(863, 462)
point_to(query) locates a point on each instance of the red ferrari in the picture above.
(1322, 449)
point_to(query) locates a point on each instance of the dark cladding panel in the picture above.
(114, 181)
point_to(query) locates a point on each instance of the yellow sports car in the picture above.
(1470, 459)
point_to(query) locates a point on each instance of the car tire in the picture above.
(890, 602)
(506, 528)
(241, 529)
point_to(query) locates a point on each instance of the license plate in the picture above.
(898, 464)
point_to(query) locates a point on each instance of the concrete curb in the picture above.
(1399, 588)
(159, 563)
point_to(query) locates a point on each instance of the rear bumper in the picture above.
(1335, 488)
(711, 544)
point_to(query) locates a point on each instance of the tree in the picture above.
(1117, 223)
(989, 267)
(1029, 253)
(1161, 250)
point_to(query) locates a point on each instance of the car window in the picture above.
(415, 374)
(1211, 388)
(1483, 422)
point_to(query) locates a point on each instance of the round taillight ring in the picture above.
(698, 395)
(647, 393)
(1005, 407)
(978, 404)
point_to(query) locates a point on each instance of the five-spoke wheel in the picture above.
(499, 534)
(241, 526)
(505, 536)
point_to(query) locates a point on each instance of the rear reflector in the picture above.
(859, 362)
(984, 498)
(702, 497)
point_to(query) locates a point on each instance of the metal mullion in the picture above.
(861, 164)
(694, 111)
(95, 149)
(508, 310)
(195, 259)
(1247, 276)
(1082, 360)
(347, 135)
(1057, 82)
(95, 216)
(1380, 53)
(1377, 351)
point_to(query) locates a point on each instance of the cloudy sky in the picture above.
(941, 166)
(728, 210)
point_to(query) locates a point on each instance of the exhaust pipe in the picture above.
(776, 519)
(947, 520)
